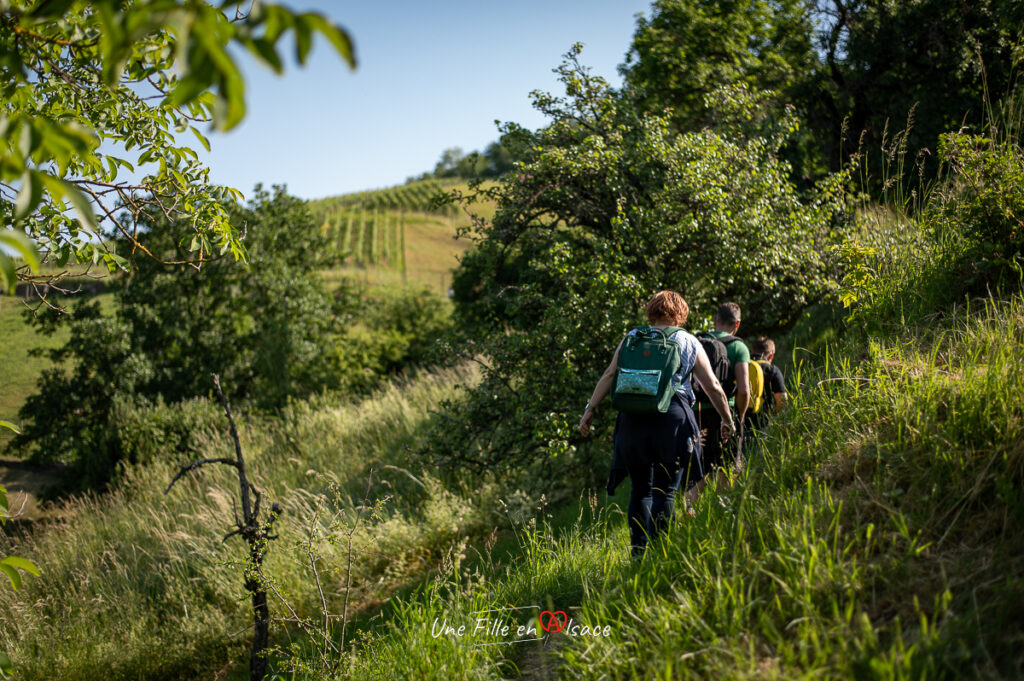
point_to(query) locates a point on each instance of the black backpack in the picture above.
(718, 356)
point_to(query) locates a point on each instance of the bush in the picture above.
(607, 206)
(388, 330)
(151, 430)
(981, 203)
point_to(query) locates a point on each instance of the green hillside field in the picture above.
(398, 233)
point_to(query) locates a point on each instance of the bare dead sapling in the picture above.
(254, 531)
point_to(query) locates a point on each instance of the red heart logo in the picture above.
(551, 623)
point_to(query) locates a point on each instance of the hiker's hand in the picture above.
(585, 421)
(728, 430)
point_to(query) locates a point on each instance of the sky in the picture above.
(431, 75)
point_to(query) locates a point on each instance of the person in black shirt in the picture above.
(763, 352)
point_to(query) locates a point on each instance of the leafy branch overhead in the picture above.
(96, 99)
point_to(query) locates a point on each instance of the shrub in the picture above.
(151, 430)
(982, 204)
(607, 206)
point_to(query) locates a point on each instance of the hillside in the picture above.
(875, 534)
(398, 233)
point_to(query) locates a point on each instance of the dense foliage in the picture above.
(262, 327)
(609, 205)
(94, 89)
(686, 49)
(855, 69)
(270, 329)
(981, 205)
(952, 239)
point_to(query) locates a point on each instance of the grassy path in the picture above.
(878, 535)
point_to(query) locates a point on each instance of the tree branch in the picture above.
(196, 464)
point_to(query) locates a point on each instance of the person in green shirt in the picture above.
(727, 323)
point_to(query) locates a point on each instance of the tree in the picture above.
(499, 159)
(883, 60)
(270, 326)
(94, 89)
(447, 165)
(607, 205)
(856, 70)
(688, 48)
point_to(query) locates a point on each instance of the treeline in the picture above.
(855, 71)
(495, 160)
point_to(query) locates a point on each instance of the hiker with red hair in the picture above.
(656, 438)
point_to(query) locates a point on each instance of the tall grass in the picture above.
(138, 584)
(876, 534)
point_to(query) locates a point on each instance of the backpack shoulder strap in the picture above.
(728, 340)
(637, 331)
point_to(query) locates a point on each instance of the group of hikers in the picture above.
(687, 403)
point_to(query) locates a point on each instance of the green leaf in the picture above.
(6, 667)
(23, 245)
(28, 141)
(63, 255)
(115, 262)
(264, 49)
(335, 34)
(12, 575)
(18, 241)
(187, 89)
(9, 426)
(21, 564)
(7, 276)
(28, 196)
(50, 8)
(82, 206)
(202, 140)
(303, 39)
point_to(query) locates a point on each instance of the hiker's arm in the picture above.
(601, 390)
(778, 387)
(713, 389)
(742, 374)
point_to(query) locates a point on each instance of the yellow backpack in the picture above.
(756, 374)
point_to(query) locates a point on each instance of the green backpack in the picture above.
(647, 361)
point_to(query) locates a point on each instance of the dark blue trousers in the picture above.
(659, 452)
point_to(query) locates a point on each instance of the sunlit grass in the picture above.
(876, 535)
(138, 584)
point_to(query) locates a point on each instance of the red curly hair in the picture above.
(668, 306)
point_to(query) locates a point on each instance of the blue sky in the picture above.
(430, 76)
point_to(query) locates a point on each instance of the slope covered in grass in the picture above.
(139, 584)
(876, 535)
